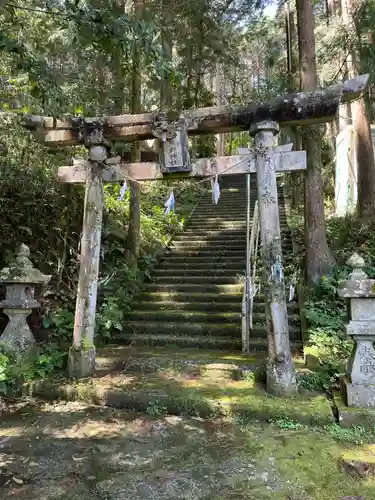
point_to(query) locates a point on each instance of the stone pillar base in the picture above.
(357, 395)
(81, 362)
(281, 379)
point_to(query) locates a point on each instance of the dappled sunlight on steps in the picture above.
(194, 298)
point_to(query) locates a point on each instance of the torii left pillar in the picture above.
(81, 361)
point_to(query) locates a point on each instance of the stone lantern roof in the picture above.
(22, 270)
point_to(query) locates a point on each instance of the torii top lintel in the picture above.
(303, 108)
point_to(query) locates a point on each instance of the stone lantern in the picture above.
(20, 279)
(358, 385)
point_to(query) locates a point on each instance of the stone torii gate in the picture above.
(172, 130)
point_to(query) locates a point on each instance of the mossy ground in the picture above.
(248, 445)
(78, 452)
(189, 382)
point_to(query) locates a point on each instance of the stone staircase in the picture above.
(195, 297)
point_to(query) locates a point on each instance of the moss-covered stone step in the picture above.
(233, 187)
(192, 329)
(215, 220)
(211, 217)
(188, 279)
(183, 264)
(218, 225)
(207, 248)
(179, 247)
(183, 341)
(165, 305)
(214, 231)
(237, 208)
(232, 236)
(178, 316)
(202, 306)
(190, 296)
(195, 287)
(208, 252)
(213, 261)
(232, 330)
(222, 245)
(196, 220)
(169, 292)
(222, 241)
(210, 224)
(205, 227)
(233, 205)
(194, 270)
(229, 198)
(205, 399)
(205, 342)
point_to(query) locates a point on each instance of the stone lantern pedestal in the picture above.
(358, 385)
(20, 279)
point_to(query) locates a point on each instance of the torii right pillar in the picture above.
(281, 377)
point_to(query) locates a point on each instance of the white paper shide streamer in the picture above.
(215, 187)
(124, 188)
(169, 204)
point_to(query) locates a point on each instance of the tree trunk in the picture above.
(331, 128)
(220, 138)
(364, 151)
(167, 45)
(365, 161)
(318, 257)
(296, 178)
(134, 229)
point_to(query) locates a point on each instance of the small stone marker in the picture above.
(20, 279)
(358, 385)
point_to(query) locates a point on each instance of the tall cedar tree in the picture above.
(318, 256)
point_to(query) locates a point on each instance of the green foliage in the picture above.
(356, 434)
(325, 312)
(290, 425)
(332, 348)
(5, 372)
(156, 409)
(315, 381)
(12, 373)
(326, 315)
(49, 360)
(348, 235)
(60, 321)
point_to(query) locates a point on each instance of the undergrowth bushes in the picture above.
(326, 313)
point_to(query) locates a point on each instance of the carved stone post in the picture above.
(82, 353)
(358, 385)
(20, 279)
(281, 378)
